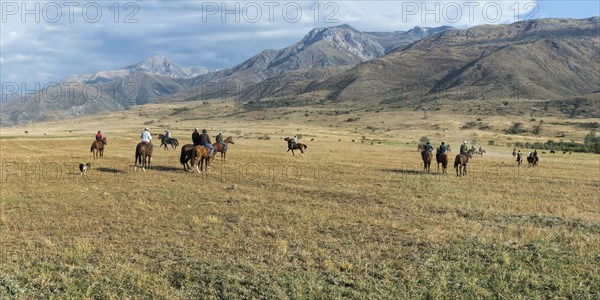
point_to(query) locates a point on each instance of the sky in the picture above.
(42, 42)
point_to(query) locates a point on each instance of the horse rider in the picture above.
(219, 140)
(294, 141)
(146, 137)
(99, 136)
(534, 153)
(196, 137)
(205, 141)
(519, 155)
(464, 148)
(426, 148)
(167, 134)
(442, 149)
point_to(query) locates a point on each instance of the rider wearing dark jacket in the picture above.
(205, 141)
(196, 137)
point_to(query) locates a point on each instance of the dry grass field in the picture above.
(346, 220)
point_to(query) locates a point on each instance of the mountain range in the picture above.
(540, 59)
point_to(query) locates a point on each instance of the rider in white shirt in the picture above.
(146, 137)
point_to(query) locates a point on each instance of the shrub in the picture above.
(515, 128)
(424, 139)
(491, 142)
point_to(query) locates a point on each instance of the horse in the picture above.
(427, 157)
(519, 160)
(481, 151)
(222, 148)
(168, 141)
(143, 154)
(186, 156)
(97, 148)
(297, 146)
(460, 163)
(202, 154)
(442, 159)
(532, 161)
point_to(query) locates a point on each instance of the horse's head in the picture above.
(287, 139)
(104, 141)
(228, 140)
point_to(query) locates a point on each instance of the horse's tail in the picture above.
(138, 156)
(305, 146)
(92, 147)
(456, 161)
(182, 157)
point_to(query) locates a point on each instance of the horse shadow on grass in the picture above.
(403, 171)
(110, 170)
(166, 168)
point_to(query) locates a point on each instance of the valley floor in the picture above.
(346, 220)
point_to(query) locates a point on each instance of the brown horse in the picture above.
(297, 146)
(97, 148)
(532, 161)
(222, 148)
(442, 159)
(202, 154)
(427, 157)
(186, 156)
(460, 163)
(143, 154)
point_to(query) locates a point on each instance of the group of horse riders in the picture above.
(202, 139)
(442, 149)
(199, 139)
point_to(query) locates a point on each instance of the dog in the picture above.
(83, 167)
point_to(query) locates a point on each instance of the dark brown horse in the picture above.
(186, 156)
(519, 160)
(532, 161)
(442, 159)
(201, 154)
(427, 157)
(460, 163)
(168, 141)
(143, 154)
(223, 148)
(297, 146)
(97, 148)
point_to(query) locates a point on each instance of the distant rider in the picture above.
(196, 137)
(146, 137)
(442, 149)
(219, 139)
(167, 134)
(426, 148)
(463, 148)
(99, 136)
(205, 141)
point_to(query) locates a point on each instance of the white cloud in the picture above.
(193, 34)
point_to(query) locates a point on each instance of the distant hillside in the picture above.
(323, 52)
(148, 81)
(537, 59)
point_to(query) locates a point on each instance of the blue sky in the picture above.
(56, 39)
